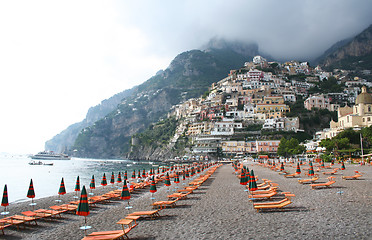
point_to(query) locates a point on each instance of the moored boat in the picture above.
(45, 155)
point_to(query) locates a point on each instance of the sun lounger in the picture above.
(37, 215)
(272, 206)
(311, 180)
(11, 221)
(178, 195)
(164, 204)
(321, 185)
(292, 175)
(108, 235)
(270, 203)
(258, 192)
(332, 172)
(51, 212)
(262, 196)
(27, 219)
(4, 225)
(354, 177)
(152, 214)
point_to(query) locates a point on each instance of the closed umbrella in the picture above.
(282, 167)
(134, 174)
(342, 166)
(298, 169)
(144, 173)
(152, 187)
(167, 180)
(242, 177)
(31, 194)
(104, 180)
(92, 185)
(62, 190)
(311, 170)
(125, 194)
(77, 186)
(252, 183)
(83, 208)
(119, 178)
(5, 201)
(125, 175)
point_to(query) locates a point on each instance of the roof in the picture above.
(364, 97)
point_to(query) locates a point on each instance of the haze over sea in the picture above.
(16, 173)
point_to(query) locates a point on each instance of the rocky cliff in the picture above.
(63, 141)
(189, 75)
(353, 54)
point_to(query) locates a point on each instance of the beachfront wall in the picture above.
(249, 147)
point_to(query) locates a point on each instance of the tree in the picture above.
(290, 147)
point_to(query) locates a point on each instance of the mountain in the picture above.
(188, 75)
(66, 139)
(355, 53)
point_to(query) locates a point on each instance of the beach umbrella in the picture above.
(119, 178)
(4, 201)
(298, 169)
(92, 184)
(134, 174)
(342, 166)
(31, 194)
(252, 182)
(242, 177)
(77, 184)
(62, 189)
(187, 173)
(143, 173)
(311, 170)
(176, 178)
(125, 175)
(167, 180)
(104, 181)
(139, 174)
(322, 165)
(125, 194)
(153, 185)
(83, 208)
(151, 172)
(112, 180)
(282, 167)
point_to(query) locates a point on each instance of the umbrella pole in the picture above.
(85, 229)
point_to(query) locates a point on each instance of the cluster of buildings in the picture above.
(259, 94)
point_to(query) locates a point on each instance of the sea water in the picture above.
(17, 173)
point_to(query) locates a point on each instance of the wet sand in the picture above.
(220, 209)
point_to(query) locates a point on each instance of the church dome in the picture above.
(364, 97)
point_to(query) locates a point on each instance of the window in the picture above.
(368, 119)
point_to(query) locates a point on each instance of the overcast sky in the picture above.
(58, 58)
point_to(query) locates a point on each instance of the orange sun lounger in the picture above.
(311, 180)
(321, 185)
(108, 235)
(292, 175)
(11, 222)
(152, 214)
(356, 176)
(272, 206)
(164, 204)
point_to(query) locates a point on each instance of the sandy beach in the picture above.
(220, 209)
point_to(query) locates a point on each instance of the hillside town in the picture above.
(257, 97)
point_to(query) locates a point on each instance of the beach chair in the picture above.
(108, 235)
(27, 219)
(354, 177)
(332, 172)
(322, 185)
(270, 190)
(292, 175)
(311, 180)
(262, 196)
(178, 195)
(152, 214)
(164, 204)
(270, 203)
(4, 225)
(53, 213)
(37, 215)
(272, 206)
(12, 222)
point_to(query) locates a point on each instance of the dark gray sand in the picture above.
(220, 209)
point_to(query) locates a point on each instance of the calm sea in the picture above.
(16, 173)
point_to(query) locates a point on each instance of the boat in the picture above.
(45, 155)
(33, 162)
